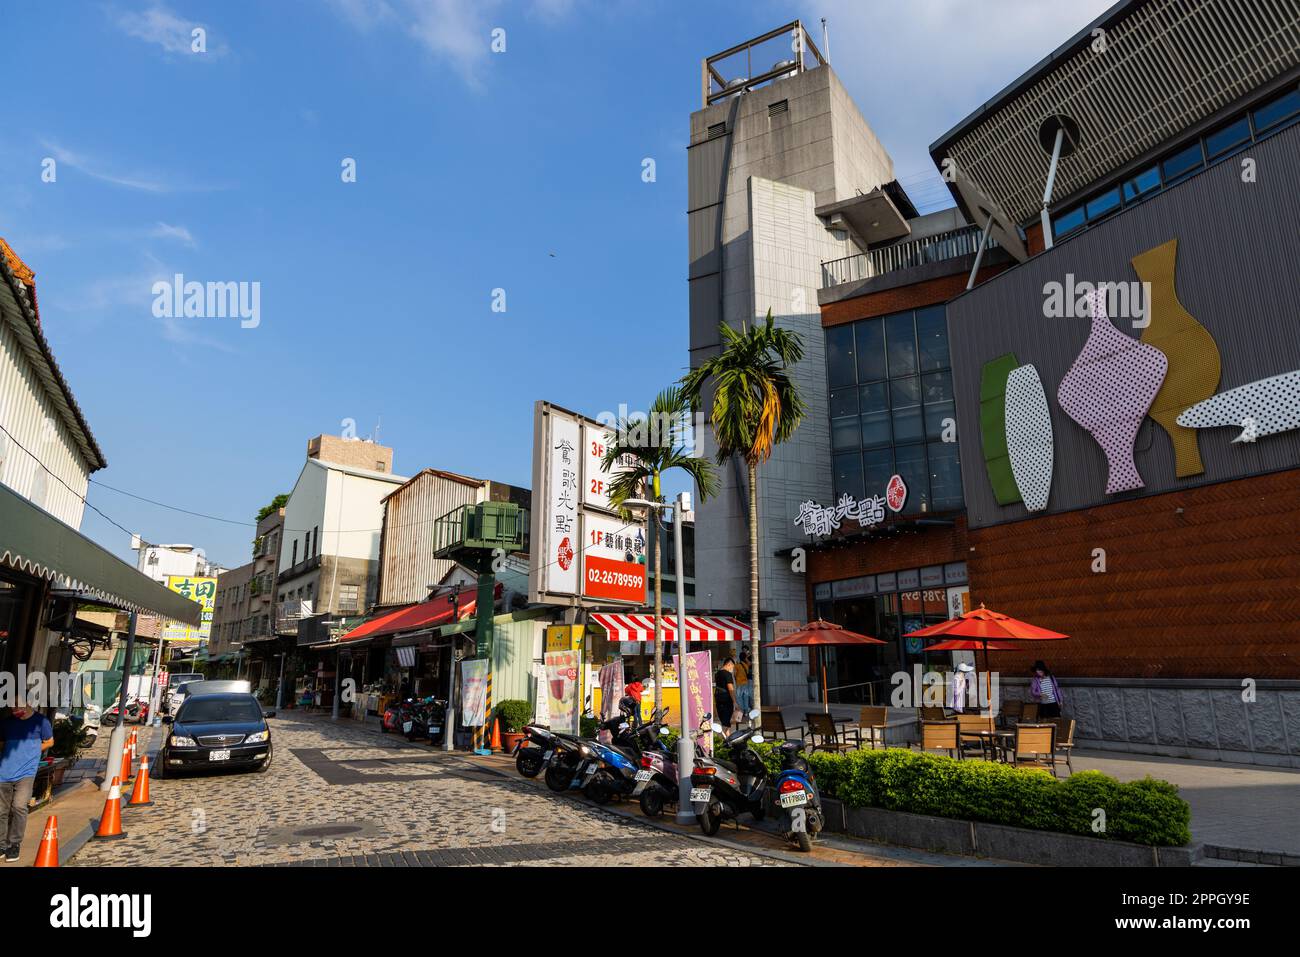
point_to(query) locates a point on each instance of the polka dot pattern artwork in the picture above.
(1029, 436)
(1108, 391)
(1261, 408)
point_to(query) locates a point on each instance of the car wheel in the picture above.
(265, 765)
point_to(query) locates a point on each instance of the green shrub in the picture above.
(588, 727)
(1143, 812)
(514, 714)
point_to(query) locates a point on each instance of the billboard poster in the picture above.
(562, 691)
(201, 590)
(697, 693)
(589, 556)
(473, 697)
(613, 560)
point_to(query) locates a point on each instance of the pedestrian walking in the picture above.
(744, 690)
(1045, 689)
(724, 691)
(27, 734)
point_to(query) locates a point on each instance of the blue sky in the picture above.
(476, 170)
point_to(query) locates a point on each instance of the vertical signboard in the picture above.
(590, 556)
(697, 692)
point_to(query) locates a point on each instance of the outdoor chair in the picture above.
(1064, 741)
(976, 722)
(871, 724)
(1012, 713)
(773, 723)
(826, 735)
(1028, 713)
(940, 736)
(1034, 745)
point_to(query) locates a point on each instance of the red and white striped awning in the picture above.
(698, 627)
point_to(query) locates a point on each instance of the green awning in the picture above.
(35, 542)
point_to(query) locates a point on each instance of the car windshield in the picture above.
(220, 709)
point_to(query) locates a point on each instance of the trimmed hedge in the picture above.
(1143, 812)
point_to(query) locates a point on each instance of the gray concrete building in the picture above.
(784, 174)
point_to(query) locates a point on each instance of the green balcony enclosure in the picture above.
(468, 533)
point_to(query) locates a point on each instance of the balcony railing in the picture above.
(289, 613)
(905, 255)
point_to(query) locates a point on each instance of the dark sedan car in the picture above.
(217, 731)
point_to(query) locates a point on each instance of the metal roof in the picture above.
(1166, 66)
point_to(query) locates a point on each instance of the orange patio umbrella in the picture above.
(989, 630)
(818, 633)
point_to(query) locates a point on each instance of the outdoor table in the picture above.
(989, 740)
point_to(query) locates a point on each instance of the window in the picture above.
(294, 561)
(1068, 222)
(893, 421)
(1141, 184)
(1099, 206)
(1182, 163)
(1278, 109)
(315, 548)
(1225, 138)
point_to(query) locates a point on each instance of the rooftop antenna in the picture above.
(374, 436)
(826, 42)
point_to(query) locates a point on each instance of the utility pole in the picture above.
(685, 743)
(118, 738)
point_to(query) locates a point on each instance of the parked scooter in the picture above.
(619, 763)
(725, 789)
(656, 782)
(796, 793)
(534, 750)
(136, 710)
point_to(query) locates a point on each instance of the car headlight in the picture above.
(257, 737)
(180, 741)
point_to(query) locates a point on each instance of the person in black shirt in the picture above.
(724, 692)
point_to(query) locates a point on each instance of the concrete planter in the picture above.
(976, 839)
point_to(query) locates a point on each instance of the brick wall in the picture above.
(1213, 592)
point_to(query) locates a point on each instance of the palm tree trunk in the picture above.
(754, 666)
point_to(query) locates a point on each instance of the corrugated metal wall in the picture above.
(27, 413)
(1238, 256)
(406, 562)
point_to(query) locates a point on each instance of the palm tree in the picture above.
(646, 449)
(755, 407)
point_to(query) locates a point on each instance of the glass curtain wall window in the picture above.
(892, 408)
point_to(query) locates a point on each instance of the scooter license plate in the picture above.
(406, 727)
(644, 775)
(435, 729)
(547, 755)
(794, 799)
(702, 795)
(591, 769)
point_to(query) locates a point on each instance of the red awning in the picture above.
(698, 627)
(426, 614)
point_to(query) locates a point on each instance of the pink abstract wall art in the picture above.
(1108, 391)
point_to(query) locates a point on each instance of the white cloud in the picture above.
(108, 172)
(182, 235)
(163, 28)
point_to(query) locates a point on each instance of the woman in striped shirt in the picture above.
(1044, 689)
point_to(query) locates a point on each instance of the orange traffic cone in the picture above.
(496, 735)
(140, 793)
(47, 855)
(110, 824)
(125, 773)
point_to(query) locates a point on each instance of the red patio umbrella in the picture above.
(970, 644)
(986, 628)
(818, 633)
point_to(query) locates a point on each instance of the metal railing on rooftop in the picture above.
(905, 255)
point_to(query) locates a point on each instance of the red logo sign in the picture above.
(896, 494)
(564, 554)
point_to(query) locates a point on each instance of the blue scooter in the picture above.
(796, 793)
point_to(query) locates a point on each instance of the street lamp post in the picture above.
(685, 743)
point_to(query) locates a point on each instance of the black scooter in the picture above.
(729, 788)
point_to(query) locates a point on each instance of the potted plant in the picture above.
(513, 715)
(69, 739)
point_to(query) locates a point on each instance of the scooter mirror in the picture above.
(755, 715)
(717, 728)
(757, 739)
(664, 730)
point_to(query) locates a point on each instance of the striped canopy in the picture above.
(698, 627)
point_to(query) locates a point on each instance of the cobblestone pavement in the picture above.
(338, 795)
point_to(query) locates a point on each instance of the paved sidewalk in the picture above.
(1233, 805)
